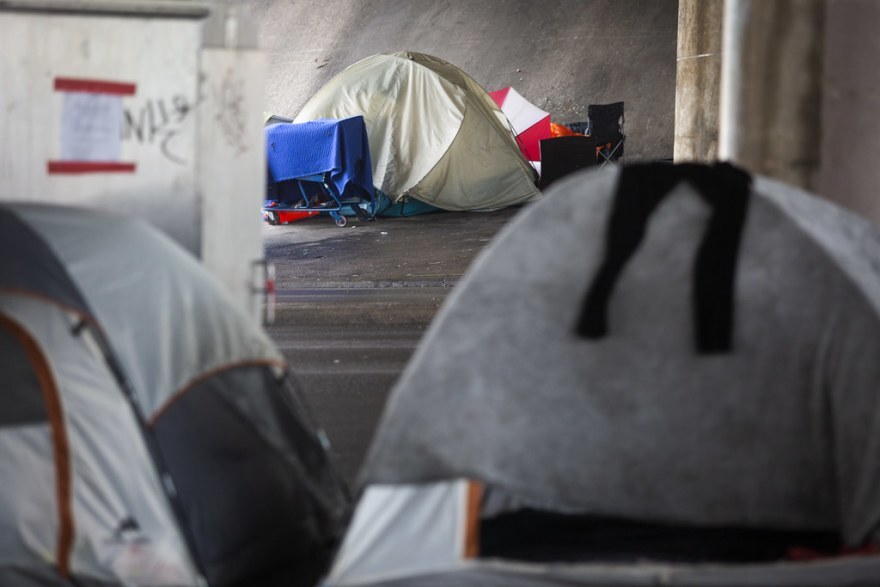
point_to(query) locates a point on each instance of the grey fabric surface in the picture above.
(112, 474)
(169, 324)
(779, 433)
(168, 320)
(45, 577)
(29, 265)
(852, 572)
(22, 401)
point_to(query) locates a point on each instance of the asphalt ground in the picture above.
(429, 250)
(353, 303)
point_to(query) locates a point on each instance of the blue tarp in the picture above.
(299, 150)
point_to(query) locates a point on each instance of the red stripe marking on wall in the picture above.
(94, 86)
(59, 167)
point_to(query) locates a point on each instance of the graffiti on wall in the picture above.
(159, 122)
(230, 114)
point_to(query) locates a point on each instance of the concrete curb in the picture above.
(368, 284)
(359, 306)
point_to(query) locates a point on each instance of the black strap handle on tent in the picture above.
(640, 190)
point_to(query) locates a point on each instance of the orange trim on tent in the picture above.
(472, 520)
(49, 300)
(207, 375)
(60, 447)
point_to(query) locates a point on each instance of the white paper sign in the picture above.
(91, 127)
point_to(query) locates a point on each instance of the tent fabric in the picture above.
(530, 124)
(269, 118)
(23, 402)
(776, 434)
(402, 208)
(468, 174)
(417, 109)
(194, 326)
(263, 481)
(97, 484)
(851, 573)
(386, 546)
(44, 576)
(640, 190)
(388, 538)
(112, 475)
(30, 266)
(339, 147)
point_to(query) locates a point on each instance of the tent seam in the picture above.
(192, 383)
(49, 300)
(60, 443)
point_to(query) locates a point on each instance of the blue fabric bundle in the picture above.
(300, 150)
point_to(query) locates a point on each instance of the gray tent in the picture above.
(149, 434)
(661, 375)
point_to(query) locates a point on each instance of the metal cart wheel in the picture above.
(339, 219)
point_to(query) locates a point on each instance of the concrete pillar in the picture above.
(771, 94)
(850, 140)
(231, 159)
(698, 79)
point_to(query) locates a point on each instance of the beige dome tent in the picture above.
(434, 133)
(705, 416)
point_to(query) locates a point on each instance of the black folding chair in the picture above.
(580, 127)
(606, 126)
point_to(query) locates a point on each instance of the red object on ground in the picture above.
(801, 554)
(285, 217)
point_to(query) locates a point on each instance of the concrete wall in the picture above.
(698, 80)
(560, 54)
(800, 95)
(122, 107)
(158, 57)
(772, 87)
(850, 125)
